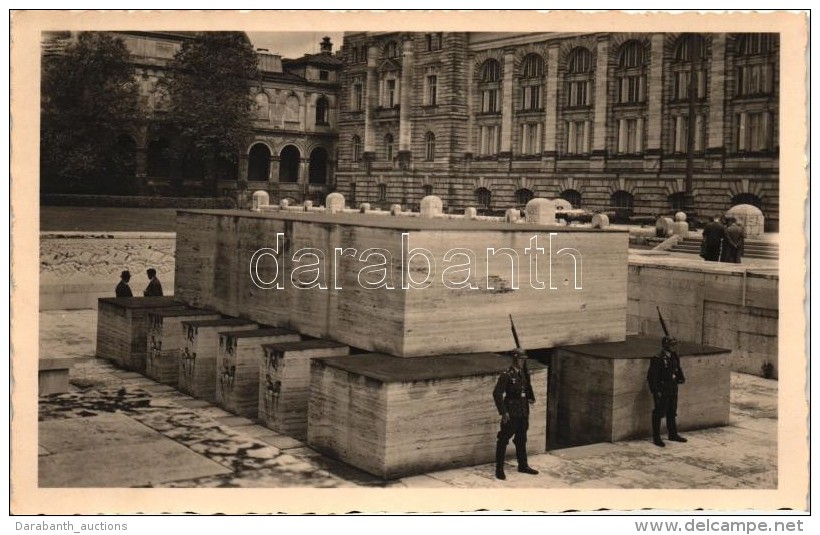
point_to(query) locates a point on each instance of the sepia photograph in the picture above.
(395, 262)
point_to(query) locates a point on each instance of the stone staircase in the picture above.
(751, 249)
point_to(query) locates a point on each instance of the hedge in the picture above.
(115, 201)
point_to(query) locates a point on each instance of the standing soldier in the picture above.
(513, 395)
(664, 376)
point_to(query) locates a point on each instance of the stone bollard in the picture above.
(335, 203)
(540, 211)
(395, 209)
(749, 217)
(512, 215)
(680, 227)
(308, 205)
(284, 203)
(260, 198)
(470, 213)
(431, 206)
(364, 207)
(663, 227)
(600, 221)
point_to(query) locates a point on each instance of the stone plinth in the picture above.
(122, 328)
(167, 338)
(197, 360)
(373, 286)
(285, 383)
(53, 375)
(540, 211)
(395, 417)
(237, 369)
(599, 393)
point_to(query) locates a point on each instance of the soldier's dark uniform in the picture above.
(513, 395)
(664, 376)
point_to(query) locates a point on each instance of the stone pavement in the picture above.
(120, 429)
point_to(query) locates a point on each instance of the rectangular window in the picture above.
(489, 100)
(357, 99)
(755, 80)
(531, 97)
(391, 93)
(632, 90)
(630, 136)
(754, 132)
(681, 134)
(578, 94)
(578, 137)
(681, 89)
(432, 90)
(324, 75)
(433, 41)
(488, 140)
(531, 138)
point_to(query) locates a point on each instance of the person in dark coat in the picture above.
(154, 288)
(733, 245)
(123, 290)
(713, 235)
(664, 376)
(513, 396)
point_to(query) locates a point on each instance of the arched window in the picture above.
(292, 109)
(747, 198)
(382, 192)
(755, 64)
(356, 148)
(388, 147)
(490, 86)
(580, 61)
(322, 107)
(677, 201)
(430, 146)
(572, 196)
(631, 73)
(259, 163)
(289, 160)
(690, 47)
(631, 54)
(532, 69)
(622, 200)
(262, 107)
(483, 197)
(523, 196)
(755, 44)
(490, 71)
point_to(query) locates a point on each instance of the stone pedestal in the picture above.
(394, 417)
(599, 393)
(197, 360)
(122, 328)
(237, 369)
(166, 339)
(284, 383)
(53, 375)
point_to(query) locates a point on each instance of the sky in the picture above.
(294, 44)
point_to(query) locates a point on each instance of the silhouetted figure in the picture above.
(513, 396)
(714, 234)
(154, 288)
(664, 376)
(733, 244)
(123, 290)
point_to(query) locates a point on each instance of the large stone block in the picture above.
(599, 392)
(167, 338)
(197, 360)
(122, 328)
(396, 417)
(406, 286)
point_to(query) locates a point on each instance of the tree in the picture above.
(208, 85)
(89, 103)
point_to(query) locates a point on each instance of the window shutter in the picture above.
(586, 136)
(768, 78)
(624, 88)
(642, 88)
(679, 137)
(639, 135)
(741, 131)
(621, 136)
(538, 138)
(571, 138)
(523, 139)
(765, 131)
(701, 84)
(698, 133)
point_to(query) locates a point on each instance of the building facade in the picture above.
(292, 149)
(638, 123)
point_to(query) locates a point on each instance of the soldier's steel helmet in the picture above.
(669, 341)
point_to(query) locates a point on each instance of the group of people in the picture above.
(154, 288)
(513, 395)
(723, 240)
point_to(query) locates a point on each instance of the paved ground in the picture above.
(120, 429)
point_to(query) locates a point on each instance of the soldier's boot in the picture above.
(656, 431)
(521, 455)
(672, 424)
(500, 452)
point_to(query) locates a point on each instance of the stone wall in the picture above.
(722, 305)
(76, 268)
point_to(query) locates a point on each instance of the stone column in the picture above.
(405, 132)
(654, 97)
(717, 80)
(273, 174)
(551, 103)
(469, 147)
(304, 167)
(507, 101)
(371, 98)
(600, 105)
